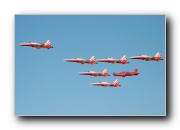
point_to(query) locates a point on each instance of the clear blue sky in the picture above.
(47, 85)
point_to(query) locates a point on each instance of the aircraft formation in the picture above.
(92, 61)
(105, 73)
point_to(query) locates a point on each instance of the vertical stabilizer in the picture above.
(116, 82)
(48, 42)
(105, 72)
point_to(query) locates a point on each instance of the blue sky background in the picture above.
(47, 85)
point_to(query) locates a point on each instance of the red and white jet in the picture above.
(47, 44)
(157, 57)
(124, 74)
(123, 60)
(93, 73)
(91, 61)
(106, 84)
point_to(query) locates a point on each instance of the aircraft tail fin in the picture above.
(93, 58)
(136, 70)
(116, 83)
(124, 57)
(48, 42)
(158, 55)
(105, 72)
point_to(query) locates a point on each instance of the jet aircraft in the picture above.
(123, 60)
(93, 73)
(91, 61)
(157, 57)
(47, 44)
(106, 84)
(124, 74)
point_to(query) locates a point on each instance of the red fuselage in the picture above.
(93, 73)
(124, 74)
(37, 45)
(81, 61)
(105, 84)
(113, 61)
(147, 58)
